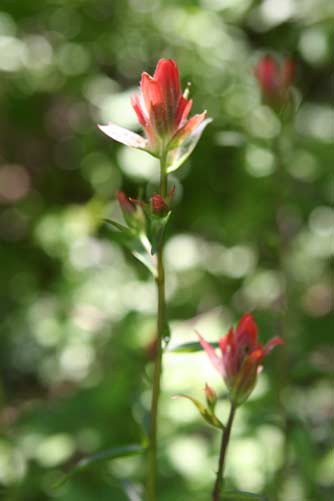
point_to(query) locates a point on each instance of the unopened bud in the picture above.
(131, 212)
(159, 205)
(211, 396)
(275, 80)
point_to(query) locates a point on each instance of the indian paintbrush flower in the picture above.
(162, 111)
(241, 358)
(275, 80)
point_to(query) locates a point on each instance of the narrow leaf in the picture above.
(241, 496)
(134, 243)
(190, 347)
(146, 260)
(107, 455)
(119, 226)
(205, 413)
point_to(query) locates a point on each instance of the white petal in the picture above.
(124, 136)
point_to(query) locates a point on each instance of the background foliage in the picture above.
(77, 314)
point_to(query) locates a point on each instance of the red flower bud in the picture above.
(211, 396)
(275, 79)
(158, 204)
(241, 358)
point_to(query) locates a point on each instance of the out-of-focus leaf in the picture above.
(241, 496)
(107, 455)
(205, 412)
(190, 347)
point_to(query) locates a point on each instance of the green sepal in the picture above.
(156, 225)
(179, 155)
(206, 413)
(190, 347)
(107, 455)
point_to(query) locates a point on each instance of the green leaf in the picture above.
(107, 455)
(205, 413)
(155, 229)
(190, 347)
(180, 154)
(119, 226)
(241, 496)
(134, 243)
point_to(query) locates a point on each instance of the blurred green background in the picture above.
(77, 313)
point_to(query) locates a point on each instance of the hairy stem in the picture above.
(223, 449)
(151, 486)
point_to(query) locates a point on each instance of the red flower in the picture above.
(241, 357)
(162, 111)
(275, 79)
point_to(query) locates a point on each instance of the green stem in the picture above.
(285, 316)
(151, 486)
(223, 449)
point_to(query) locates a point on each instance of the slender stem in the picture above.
(285, 316)
(151, 486)
(223, 449)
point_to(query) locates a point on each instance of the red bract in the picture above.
(125, 203)
(161, 110)
(132, 214)
(158, 204)
(241, 357)
(275, 79)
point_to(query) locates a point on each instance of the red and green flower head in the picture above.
(275, 80)
(241, 358)
(162, 111)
